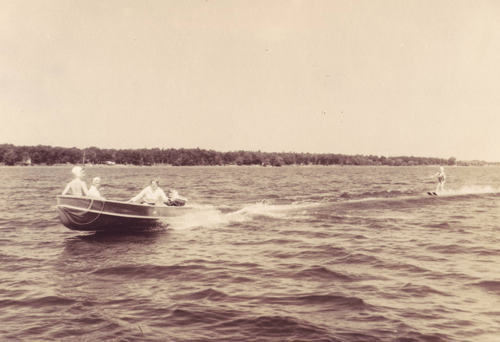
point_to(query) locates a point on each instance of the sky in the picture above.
(378, 77)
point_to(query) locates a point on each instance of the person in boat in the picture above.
(77, 185)
(152, 195)
(441, 176)
(94, 189)
(173, 195)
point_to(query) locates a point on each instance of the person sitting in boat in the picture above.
(77, 185)
(152, 195)
(174, 199)
(94, 189)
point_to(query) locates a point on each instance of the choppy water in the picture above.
(268, 254)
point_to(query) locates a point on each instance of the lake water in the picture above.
(267, 254)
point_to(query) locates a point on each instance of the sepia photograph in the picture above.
(250, 170)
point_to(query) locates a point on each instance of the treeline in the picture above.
(47, 155)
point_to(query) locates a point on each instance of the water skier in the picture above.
(441, 176)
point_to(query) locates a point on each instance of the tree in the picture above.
(10, 157)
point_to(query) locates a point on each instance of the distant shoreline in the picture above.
(48, 155)
(232, 166)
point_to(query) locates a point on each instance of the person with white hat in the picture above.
(77, 185)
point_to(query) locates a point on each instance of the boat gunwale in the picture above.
(106, 200)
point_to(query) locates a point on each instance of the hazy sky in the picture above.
(394, 77)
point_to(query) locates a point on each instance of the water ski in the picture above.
(432, 193)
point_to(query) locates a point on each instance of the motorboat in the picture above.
(92, 214)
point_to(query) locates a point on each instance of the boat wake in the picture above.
(471, 190)
(416, 193)
(212, 216)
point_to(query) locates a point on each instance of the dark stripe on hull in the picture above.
(104, 222)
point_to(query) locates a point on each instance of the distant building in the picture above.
(26, 162)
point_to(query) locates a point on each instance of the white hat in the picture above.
(76, 171)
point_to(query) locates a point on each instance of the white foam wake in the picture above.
(211, 216)
(471, 189)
